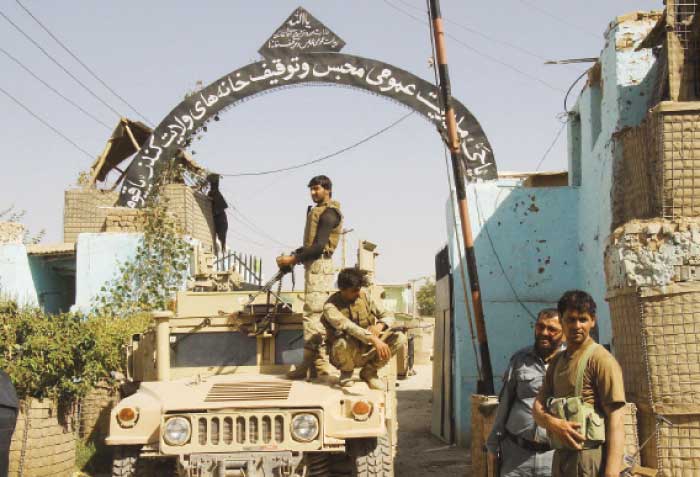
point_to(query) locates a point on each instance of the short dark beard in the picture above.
(544, 354)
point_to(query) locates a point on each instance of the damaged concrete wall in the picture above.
(627, 80)
(575, 221)
(524, 237)
(653, 253)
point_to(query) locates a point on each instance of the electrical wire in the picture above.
(87, 68)
(551, 146)
(558, 18)
(244, 220)
(482, 34)
(485, 226)
(57, 63)
(568, 91)
(327, 156)
(480, 53)
(45, 123)
(51, 88)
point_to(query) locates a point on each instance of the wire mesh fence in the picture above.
(673, 444)
(657, 173)
(657, 342)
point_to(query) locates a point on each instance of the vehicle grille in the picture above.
(248, 391)
(243, 430)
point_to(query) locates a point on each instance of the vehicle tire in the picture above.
(371, 457)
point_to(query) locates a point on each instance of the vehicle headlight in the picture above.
(177, 431)
(304, 427)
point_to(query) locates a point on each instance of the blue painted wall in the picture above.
(550, 239)
(524, 239)
(53, 282)
(16, 281)
(97, 262)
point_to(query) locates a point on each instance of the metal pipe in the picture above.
(162, 319)
(485, 386)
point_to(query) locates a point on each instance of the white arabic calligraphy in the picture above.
(177, 127)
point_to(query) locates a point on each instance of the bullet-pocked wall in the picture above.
(534, 243)
(525, 243)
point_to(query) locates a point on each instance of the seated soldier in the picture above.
(359, 334)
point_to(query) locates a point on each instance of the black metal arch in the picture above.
(330, 68)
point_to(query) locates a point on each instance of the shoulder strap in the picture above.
(581, 368)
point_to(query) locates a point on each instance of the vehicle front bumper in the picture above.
(241, 464)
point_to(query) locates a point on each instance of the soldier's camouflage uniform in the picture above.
(348, 334)
(318, 283)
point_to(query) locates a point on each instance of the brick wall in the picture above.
(92, 210)
(85, 210)
(194, 213)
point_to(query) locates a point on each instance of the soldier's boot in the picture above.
(302, 370)
(346, 379)
(369, 375)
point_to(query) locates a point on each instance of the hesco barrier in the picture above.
(95, 410)
(673, 444)
(657, 342)
(658, 170)
(43, 445)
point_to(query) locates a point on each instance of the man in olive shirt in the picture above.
(523, 446)
(602, 387)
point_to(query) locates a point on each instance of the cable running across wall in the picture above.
(327, 156)
(87, 68)
(51, 88)
(57, 63)
(45, 123)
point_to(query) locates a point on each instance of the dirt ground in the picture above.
(420, 453)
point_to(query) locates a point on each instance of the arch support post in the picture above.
(485, 385)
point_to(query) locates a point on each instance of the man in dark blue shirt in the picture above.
(523, 446)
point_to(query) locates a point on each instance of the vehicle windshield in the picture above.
(205, 349)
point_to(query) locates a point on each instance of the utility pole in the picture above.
(486, 384)
(343, 236)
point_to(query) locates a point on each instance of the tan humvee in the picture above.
(212, 399)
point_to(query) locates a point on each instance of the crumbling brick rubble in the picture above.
(653, 253)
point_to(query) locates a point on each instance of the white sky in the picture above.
(393, 189)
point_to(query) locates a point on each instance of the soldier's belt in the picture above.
(538, 447)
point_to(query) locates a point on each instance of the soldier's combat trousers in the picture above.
(350, 353)
(318, 286)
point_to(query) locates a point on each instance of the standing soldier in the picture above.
(324, 224)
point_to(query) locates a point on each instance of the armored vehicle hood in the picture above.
(246, 392)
